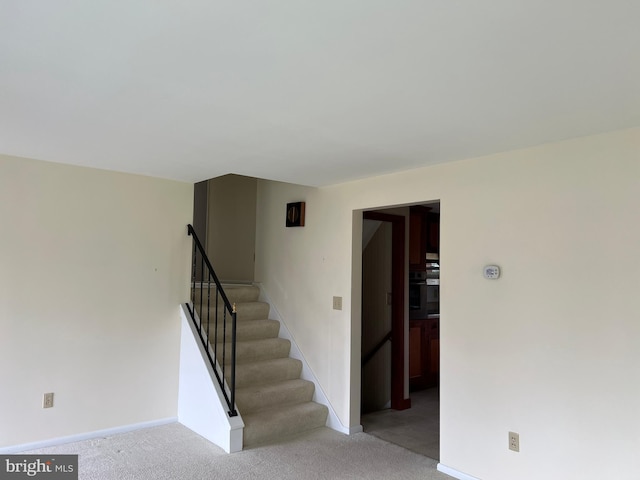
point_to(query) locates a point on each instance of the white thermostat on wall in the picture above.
(491, 272)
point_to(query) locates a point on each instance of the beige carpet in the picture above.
(272, 398)
(173, 452)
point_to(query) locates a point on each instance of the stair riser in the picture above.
(245, 311)
(272, 399)
(249, 330)
(258, 431)
(261, 373)
(252, 400)
(234, 294)
(255, 351)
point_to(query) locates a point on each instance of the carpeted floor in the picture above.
(173, 452)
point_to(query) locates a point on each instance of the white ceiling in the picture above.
(311, 92)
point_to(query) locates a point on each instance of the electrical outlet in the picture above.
(514, 441)
(337, 303)
(47, 400)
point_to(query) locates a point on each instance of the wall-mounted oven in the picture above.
(424, 292)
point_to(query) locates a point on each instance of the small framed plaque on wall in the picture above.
(295, 214)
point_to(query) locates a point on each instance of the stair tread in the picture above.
(274, 385)
(220, 305)
(249, 330)
(235, 293)
(281, 421)
(248, 351)
(272, 398)
(245, 311)
(256, 351)
(283, 411)
(267, 371)
(255, 398)
(265, 340)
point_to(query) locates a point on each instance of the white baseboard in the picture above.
(85, 436)
(455, 473)
(319, 396)
(356, 429)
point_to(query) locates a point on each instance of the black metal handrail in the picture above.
(220, 363)
(374, 350)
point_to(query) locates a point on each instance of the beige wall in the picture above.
(376, 319)
(550, 350)
(231, 227)
(93, 267)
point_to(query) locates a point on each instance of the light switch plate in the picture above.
(337, 303)
(47, 400)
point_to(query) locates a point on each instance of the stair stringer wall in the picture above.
(319, 396)
(201, 404)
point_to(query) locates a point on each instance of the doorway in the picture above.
(383, 317)
(416, 425)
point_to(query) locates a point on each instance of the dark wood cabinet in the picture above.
(424, 333)
(417, 236)
(424, 353)
(424, 236)
(433, 233)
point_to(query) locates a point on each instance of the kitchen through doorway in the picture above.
(413, 422)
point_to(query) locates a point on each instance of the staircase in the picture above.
(270, 395)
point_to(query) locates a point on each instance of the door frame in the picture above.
(398, 274)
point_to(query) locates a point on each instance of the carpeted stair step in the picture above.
(272, 398)
(245, 311)
(259, 397)
(260, 373)
(282, 421)
(257, 350)
(248, 330)
(235, 293)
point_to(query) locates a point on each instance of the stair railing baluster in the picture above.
(193, 276)
(215, 343)
(198, 322)
(232, 380)
(208, 303)
(224, 342)
(201, 281)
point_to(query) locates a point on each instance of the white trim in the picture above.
(319, 396)
(356, 429)
(455, 473)
(86, 436)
